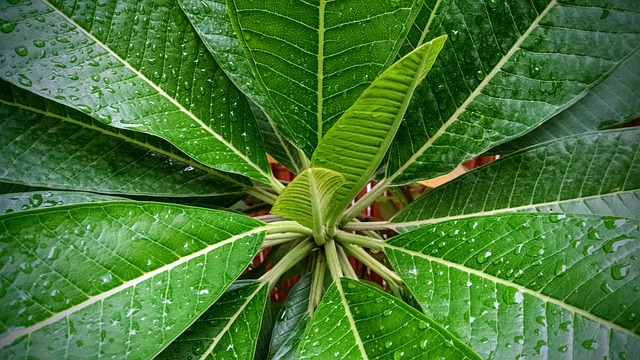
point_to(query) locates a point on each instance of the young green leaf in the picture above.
(507, 69)
(593, 173)
(532, 285)
(46, 144)
(133, 75)
(114, 279)
(229, 329)
(23, 201)
(358, 321)
(313, 60)
(355, 146)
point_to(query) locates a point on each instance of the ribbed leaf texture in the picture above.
(22, 201)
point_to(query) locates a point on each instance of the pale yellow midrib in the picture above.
(160, 91)
(320, 74)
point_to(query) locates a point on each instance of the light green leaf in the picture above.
(358, 321)
(313, 60)
(46, 144)
(22, 201)
(292, 320)
(530, 285)
(612, 103)
(309, 198)
(228, 330)
(593, 173)
(114, 279)
(355, 146)
(507, 68)
(122, 64)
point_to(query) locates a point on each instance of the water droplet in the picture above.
(619, 271)
(606, 288)
(631, 316)
(483, 257)
(232, 66)
(593, 233)
(7, 27)
(84, 108)
(387, 312)
(454, 35)
(493, 4)
(388, 344)
(21, 50)
(565, 325)
(612, 245)
(398, 355)
(561, 268)
(95, 77)
(351, 285)
(590, 344)
(39, 43)
(512, 296)
(422, 325)
(24, 80)
(534, 71)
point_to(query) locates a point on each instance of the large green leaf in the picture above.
(119, 279)
(228, 330)
(42, 199)
(508, 67)
(593, 173)
(46, 144)
(355, 146)
(138, 66)
(529, 285)
(613, 102)
(358, 321)
(312, 60)
(292, 321)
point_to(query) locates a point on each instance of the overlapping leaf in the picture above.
(355, 146)
(508, 67)
(138, 66)
(22, 201)
(228, 330)
(532, 285)
(357, 321)
(593, 173)
(49, 145)
(118, 279)
(313, 60)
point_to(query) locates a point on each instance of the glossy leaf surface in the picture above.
(313, 60)
(14, 202)
(228, 330)
(119, 279)
(45, 144)
(355, 146)
(593, 173)
(291, 321)
(358, 321)
(612, 103)
(508, 67)
(532, 285)
(122, 65)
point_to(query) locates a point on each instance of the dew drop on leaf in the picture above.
(590, 344)
(7, 27)
(619, 271)
(24, 80)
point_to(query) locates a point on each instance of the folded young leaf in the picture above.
(531, 285)
(23, 201)
(45, 144)
(508, 67)
(355, 146)
(114, 279)
(229, 329)
(308, 61)
(600, 174)
(613, 102)
(358, 321)
(132, 74)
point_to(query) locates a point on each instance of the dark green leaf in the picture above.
(42, 199)
(291, 321)
(529, 285)
(228, 330)
(508, 67)
(138, 66)
(114, 279)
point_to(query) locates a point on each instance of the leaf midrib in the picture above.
(11, 337)
(159, 90)
(496, 69)
(520, 288)
(320, 72)
(351, 319)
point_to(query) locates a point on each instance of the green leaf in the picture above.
(228, 330)
(22, 201)
(612, 103)
(593, 173)
(309, 198)
(532, 285)
(358, 321)
(133, 74)
(46, 144)
(292, 321)
(313, 60)
(119, 279)
(507, 68)
(355, 146)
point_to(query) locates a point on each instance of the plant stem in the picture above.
(345, 264)
(275, 184)
(304, 160)
(270, 218)
(368, 199)
(360, 240)
(294, 256)
(363, 226)
(281, 227)
(373, 264)
(332, 260)
(277, 239)
(261, 194)
(317, 282)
